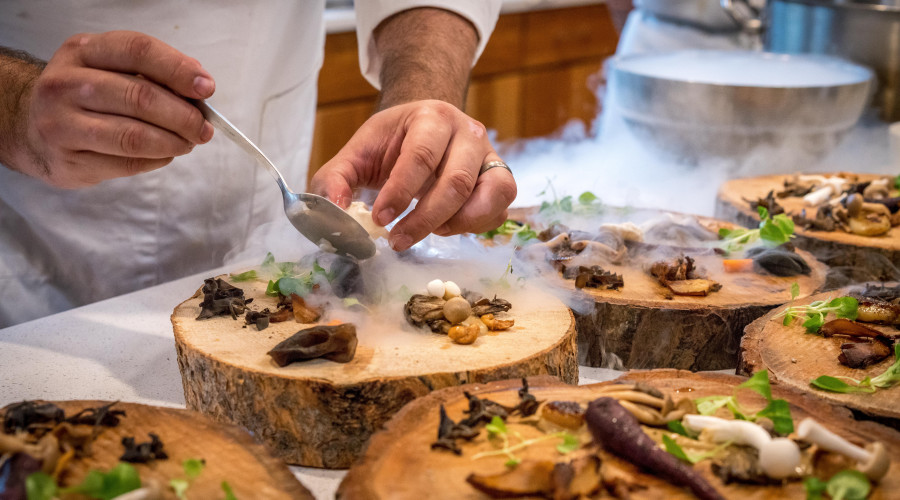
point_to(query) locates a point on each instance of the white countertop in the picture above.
(123, 349)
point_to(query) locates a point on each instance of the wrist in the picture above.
(18, 73)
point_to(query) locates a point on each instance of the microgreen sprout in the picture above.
(772, 230)
(520, 231)
(678, 452)
(845, 485)
(815, 312)
(498, 432)
(777, 410)
(587, 203)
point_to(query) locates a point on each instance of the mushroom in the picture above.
(877, 189)
(495, 324)
(456, 310)
(435, 288)
(873, 461)
(451, 290)
(871, 219)
(463, 334)
(778, 458)
(337, 343)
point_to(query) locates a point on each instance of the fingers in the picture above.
(334, 181)
(86, 168)
(421, 155)
(126, 95)
(118, 95)
(137, 53)
(486, 208)
(454, 185)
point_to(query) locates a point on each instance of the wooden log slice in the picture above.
(637, 326)
(399, 463)
(320, 413)
(230, 454)
(794, 358)
(864, 257)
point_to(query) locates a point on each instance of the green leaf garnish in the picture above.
(40, 486)
(229, 493)
(814, 488)
(815, 312)
(678, 452)
(883, 381)
(772, 230)
(570, 443)
(179, 486)
(777, 410)
(678, 428)
(244, 276)
(193, 467)
(107, 485)
(521, 231)
(848, 485)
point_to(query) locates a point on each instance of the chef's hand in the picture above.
(108, 105)
(428, 150)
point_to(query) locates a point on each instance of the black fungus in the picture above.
(335, 342)
(101, 416)
(21, 416)
(482, 411)
(528, 404)
(143, 452)
(221, 298)
(449, 431)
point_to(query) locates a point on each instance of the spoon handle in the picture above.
(237, 137)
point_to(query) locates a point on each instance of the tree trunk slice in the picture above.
(837, 248)
(399, 464)
(794, 358)
(637, 327)
(320, 413)
(230, 453)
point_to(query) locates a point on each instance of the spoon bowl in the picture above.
(318, 219)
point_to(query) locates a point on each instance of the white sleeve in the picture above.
(482, 14)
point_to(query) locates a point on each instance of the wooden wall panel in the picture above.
(538, 71)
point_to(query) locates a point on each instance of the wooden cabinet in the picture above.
(539, 70)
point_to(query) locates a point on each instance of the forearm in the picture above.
(426, 53)
(18, 71)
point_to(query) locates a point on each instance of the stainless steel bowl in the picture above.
(695, 105)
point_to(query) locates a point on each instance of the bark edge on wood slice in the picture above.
(401, 450)
(230, 453)
(320, 413)
(855, 257)
(635, 327)
(794, 358)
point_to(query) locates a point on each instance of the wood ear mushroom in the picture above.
(336, 343)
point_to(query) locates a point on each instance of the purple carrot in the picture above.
(620, 434)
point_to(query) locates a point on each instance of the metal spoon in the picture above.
(315, 217)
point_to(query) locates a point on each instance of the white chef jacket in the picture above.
(60, 249)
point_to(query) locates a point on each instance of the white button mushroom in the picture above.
(778, 458)
(451, 290)
(435, 288)
(874, 462)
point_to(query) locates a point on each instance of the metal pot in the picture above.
(864, 31)
(696, 105)
(704, 14)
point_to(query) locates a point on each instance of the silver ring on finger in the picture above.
(493, 164)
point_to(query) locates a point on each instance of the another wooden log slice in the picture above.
(230, 453)
(399, 463)
(874, 255)
(794, 358)
(320, 413)
(636, 326)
